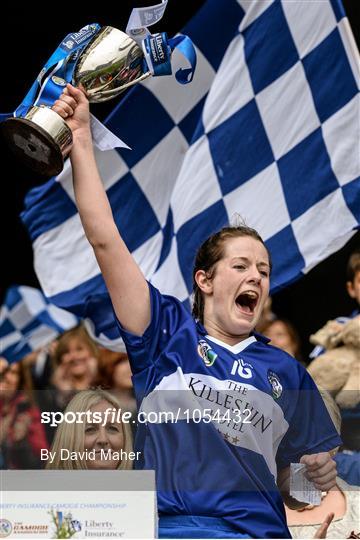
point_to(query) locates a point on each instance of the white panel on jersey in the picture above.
(253, 421)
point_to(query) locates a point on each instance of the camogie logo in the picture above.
(5, 528)
(275, 384)
(206, 353)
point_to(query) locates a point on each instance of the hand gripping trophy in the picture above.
(105, 62)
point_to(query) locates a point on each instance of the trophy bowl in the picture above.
(109, 64)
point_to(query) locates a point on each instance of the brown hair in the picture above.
(210, 252)
(25, 385)
(353, 265)
(75, 333)
(107, 362)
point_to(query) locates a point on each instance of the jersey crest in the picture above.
(276, 385)
(206, 353)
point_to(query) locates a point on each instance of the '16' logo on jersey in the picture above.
(242, 369)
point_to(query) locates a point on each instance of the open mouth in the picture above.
(247, 301)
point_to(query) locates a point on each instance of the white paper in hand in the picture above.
(302, 489)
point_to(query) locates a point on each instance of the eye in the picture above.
(264, 273)
(240, 267)
(89, 429)
(113, 428)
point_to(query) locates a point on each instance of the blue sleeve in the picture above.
(167, 315)
(348, 467)
(311, 429)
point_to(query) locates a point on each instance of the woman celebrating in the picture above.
(224, 457)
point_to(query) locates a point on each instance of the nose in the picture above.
(254, 275)
(102, 438)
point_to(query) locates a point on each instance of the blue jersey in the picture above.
(235, 415)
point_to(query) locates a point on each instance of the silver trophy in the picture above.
(110, 63)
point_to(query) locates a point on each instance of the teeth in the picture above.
(251, 294)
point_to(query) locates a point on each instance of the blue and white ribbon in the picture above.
(158, 48)
(157, 51)
(141, 18)
(56, 73)
(58, 70)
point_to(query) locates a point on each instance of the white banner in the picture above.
(78, 504)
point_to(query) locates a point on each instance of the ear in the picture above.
(350, 289)
(204, 282)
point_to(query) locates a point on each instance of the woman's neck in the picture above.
(216, 332)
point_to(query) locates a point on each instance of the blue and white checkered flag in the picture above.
(267, 129)
(28, 322)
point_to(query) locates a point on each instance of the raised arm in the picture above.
(126, 284)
